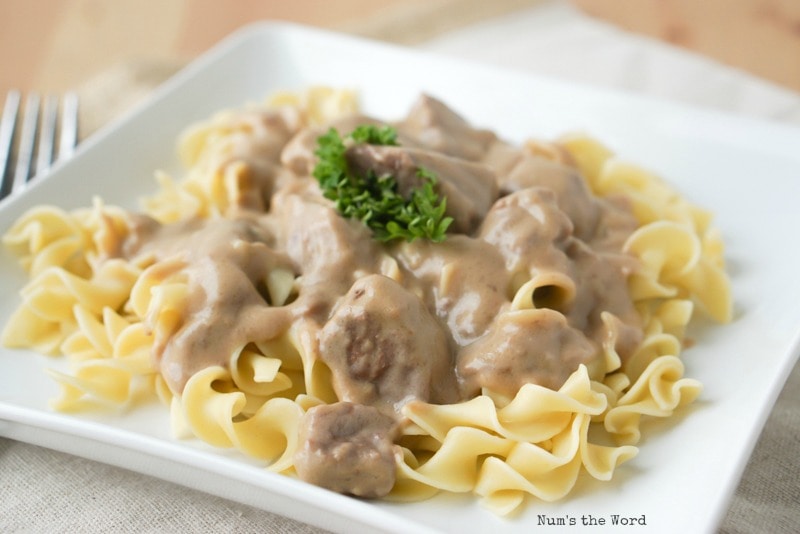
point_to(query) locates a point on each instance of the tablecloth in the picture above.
(47, 491)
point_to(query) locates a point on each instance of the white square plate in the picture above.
(745, 171)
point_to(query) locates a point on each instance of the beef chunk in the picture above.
(437, 127)
(347, 448)
(470, 188)
(385, 348)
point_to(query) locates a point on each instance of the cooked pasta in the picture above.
(271, 324)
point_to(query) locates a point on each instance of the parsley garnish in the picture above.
(375, 200)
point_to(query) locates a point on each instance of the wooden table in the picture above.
(55, 45)
(759, 36)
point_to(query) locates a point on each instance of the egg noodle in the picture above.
(106, 313)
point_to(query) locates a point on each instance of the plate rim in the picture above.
(278, 29)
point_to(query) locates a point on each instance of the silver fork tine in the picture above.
(9, 122)
(47, 135)
(69, 126)
(27, 142)
(19, 145)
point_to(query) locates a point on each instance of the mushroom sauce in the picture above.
(401, 321)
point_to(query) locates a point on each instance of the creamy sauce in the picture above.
(441, 329)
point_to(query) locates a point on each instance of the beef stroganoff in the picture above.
(549, 296)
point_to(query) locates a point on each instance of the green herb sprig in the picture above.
(374, 199)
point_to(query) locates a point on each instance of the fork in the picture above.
(34, 137)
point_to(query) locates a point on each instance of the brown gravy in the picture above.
(443, 328)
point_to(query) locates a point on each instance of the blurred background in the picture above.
(60, 44)
(52, 45)
(122, 48)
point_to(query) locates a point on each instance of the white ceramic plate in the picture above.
(745, 171)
